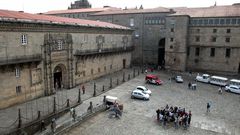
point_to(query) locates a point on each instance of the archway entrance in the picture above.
(161, 52)
(59, 76)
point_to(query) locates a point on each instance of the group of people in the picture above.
(176, 115)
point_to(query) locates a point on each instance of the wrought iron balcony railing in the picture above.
(19, 59)
(103, 50)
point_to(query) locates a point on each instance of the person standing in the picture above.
(189, 85)
(208, 107)
(158, 112)
(83, 89)
(189, 117)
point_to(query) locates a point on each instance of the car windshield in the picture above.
(142, 89)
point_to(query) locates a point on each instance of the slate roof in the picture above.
(213, 11)
(83, 10)
(6, 15)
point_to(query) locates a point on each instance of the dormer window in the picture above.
(24, 39)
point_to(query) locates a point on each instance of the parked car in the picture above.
(179, 79)
(232, 88)
(144, 89)
(153, 79)
(203, 78)
(140, 95)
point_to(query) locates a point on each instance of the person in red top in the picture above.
(83, 89)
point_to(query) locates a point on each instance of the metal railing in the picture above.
(19, 59)
(104, 50)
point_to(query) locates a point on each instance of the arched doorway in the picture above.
(161, 52)
(59, 78)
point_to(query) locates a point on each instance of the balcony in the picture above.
(19, 59)
(103, 50)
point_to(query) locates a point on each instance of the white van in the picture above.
(203, 78)
(234, 82)
(217, 80)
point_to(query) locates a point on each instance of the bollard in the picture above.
(79, 96)
(138, 72)
(123, 77)
(103, 88)
(54, 104)
(19, 119)
(104, 99)
(117, 81)
(68, 103)
(94, 90)
(39, 115)
(128, 76)
(90, 108)
(110, 86)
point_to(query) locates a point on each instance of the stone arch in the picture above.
(60, 76)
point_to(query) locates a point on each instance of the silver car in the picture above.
(179, 79)
(140, 95)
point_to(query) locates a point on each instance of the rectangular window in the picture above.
(205, 21)
(99, 70)
(222, 21)
(171, 39)
(214, 39)
(228, 30)
(210, 21)
(200, 22)
(228, 21)
(59, 45)
(91, 71)
(110, 66)
(188, 51)
(85, 38)
(234, 21)
(216, 21)
(131, 22)
(227, 40)
(18, 89)
(17, 72)
(197, 38)
(172, 29)
(198, 30)
(214, 30)
(24, 39)
(197, 51)
(212, 53)
(228, 52)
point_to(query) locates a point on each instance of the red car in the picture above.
(153, 79)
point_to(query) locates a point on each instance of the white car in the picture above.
(179, 79)
(232, 88)
(140, 95)
(144, 89)
(204, 78)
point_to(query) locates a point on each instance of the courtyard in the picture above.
(139, 117)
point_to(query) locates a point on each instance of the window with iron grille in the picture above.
(18, 89)
(24, 39)
(197, 51)
(227, 39)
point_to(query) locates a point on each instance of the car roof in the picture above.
(138, 91)
(150, 75)
(143, 87)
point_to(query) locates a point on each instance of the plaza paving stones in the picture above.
(139, 116)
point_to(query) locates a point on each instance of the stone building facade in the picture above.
(196, 39)
(39, 54)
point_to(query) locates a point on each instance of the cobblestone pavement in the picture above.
(139, 117)
(9, 116)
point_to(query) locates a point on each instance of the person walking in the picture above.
(42, 125)
(53, 125)
(158, 112)
(83, 89)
